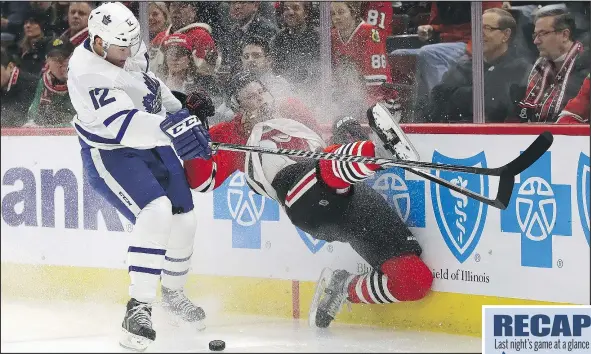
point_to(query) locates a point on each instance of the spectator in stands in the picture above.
(15, 93)
(184, 20)
(257, 60)
(559, 72)
(33, 44)
(450, 27)
(78, 13)
(180, 69)
(358, 43)
(451, 100)
(246, 22)
(296, 49)
(13, 19)
(379, 14)
(577, 109)
(158, 18)
(48, 10)
(51, 106)
(62, 10)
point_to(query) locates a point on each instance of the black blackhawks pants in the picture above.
(361, 218)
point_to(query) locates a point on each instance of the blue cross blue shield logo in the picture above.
(407, 197)
(235, 201)
(538, 211)
(460, 219)
(313, 244)
(583, 192)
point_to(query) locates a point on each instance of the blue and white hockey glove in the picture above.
(189, 138)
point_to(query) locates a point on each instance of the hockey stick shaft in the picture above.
(506, 173)
(529, 156)
(354, 158)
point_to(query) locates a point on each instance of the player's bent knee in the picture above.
(157, 206)
(410, 277)
(154, 222)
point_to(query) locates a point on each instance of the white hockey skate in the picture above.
(181, 310)
(329, 296)
(387, 135)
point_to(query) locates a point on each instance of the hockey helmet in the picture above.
(116, 25)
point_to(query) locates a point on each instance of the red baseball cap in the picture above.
(177, 40)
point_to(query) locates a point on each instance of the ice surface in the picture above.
(29, 326)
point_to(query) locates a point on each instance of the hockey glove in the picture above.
(347, 130)
(189, 138)
(199, 103)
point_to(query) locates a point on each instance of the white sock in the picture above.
(180, 248)
(145, 255)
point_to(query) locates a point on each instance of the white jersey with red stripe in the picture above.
(261, 169)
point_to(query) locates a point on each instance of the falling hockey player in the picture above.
(126, 121)
(323, 198)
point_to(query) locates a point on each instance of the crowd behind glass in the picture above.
(414, 56)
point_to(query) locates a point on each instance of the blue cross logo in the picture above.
(538, 211)
(407, 197)
(235, 201)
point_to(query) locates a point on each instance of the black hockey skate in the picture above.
(387, 136)
(137, 326)
(329, 297)
(180, 308)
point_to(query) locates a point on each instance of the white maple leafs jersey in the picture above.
(118, 107)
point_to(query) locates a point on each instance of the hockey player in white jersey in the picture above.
(126, 121)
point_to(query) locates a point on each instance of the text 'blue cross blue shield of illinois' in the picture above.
(538, 211)
(584, 193)
(234, 200)
(460, 219)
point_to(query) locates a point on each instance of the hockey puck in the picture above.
(217, 345)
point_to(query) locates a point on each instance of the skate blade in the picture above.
(133, 341)
(385, 122)
(321, 285)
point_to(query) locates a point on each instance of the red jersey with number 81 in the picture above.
(365, 49)
(380, 15)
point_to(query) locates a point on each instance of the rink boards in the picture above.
(60, 240)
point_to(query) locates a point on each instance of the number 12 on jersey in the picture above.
(99, 97)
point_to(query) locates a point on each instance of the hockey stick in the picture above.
(529, 156)
(506, 173)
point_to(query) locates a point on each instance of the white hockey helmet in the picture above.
(116, 25)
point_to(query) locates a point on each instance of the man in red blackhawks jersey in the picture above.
(379, 14)
(361, 44)
(322, 198)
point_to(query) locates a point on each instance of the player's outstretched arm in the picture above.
(205, 175)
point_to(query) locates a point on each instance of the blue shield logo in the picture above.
(583, 192)
(460, 219)
(407, 197)
(235, 201)
(539, 211)
(313, 244)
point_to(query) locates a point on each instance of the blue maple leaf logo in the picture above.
(152, 101)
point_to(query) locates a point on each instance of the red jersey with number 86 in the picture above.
(366, 50)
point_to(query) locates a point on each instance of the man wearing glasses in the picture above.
(505, 76)
(560, 70)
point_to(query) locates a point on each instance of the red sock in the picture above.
(403, 278)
